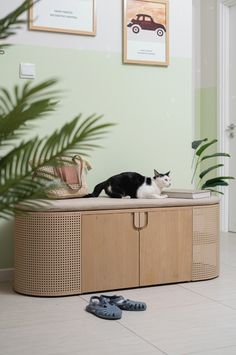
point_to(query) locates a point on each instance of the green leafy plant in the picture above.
(12, 21)
(200, 147)
(19, 109)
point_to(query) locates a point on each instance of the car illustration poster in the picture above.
(146, 32)
(70, 16)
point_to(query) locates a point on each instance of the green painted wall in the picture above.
(152, 107)
(206, 121)
(206, 113)
(197, 113)
(209, 112)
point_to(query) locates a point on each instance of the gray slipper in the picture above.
(126, 305)
(101, 308)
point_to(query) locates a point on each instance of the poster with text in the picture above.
(67, 16)
(146, 32)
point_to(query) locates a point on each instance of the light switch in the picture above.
(27, 71)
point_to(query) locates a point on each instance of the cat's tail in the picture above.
(97, 189)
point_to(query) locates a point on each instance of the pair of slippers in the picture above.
(110, 307)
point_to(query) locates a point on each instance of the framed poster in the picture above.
(67, 16)
(146, 32)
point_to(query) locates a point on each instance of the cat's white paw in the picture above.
(164, 196)
(126, 197)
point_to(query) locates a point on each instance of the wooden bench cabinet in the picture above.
(110, 251)
(166, 247)
(102, 244)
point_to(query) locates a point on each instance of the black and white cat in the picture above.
(133, 185)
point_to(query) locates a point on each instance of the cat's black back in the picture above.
(121, 185)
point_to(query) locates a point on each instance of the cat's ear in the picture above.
(156, 173)
(167, 174)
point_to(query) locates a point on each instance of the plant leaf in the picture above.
(16, 183)
(205, 172)
(11, 22)
(214, 184)
(221, 178)
(215, 155)
(204, 147)
(218, 181)
(24, 105)
(195, 144)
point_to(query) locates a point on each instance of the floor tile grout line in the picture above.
(167, 307)
(209, 349)
(209, 298)
(189, 305)
(84, 299)
(142, 338)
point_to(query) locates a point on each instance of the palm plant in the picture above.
(18, 111)
(12, 22)
(212, 184)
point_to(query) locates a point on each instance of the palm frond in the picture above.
(16, 183)
(71, 139)
(24, 105)
(16, 203)
(12, 22)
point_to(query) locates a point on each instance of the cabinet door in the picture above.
(110, 252)
(166, 247)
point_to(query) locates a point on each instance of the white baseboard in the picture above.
(6, 274)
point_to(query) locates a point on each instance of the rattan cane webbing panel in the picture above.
(205, 243)
(47, 254)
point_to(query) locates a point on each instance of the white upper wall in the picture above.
(109, 29)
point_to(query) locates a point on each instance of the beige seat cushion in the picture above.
(106, 203)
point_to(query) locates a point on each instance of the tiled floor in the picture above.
(189, 318)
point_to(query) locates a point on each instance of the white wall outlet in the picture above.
(27, 71)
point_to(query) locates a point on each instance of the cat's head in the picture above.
(162, 180)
